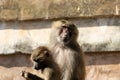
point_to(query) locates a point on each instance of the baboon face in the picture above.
(40, 56)
(66, 31)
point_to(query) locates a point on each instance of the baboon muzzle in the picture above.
(36, 66)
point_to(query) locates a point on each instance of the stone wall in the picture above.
(21, 20)
(99, 65)
(95, 34)
(103, 66)
(53, 9)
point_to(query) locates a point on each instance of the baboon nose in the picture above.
(36, 67)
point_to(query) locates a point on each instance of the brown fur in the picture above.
(46, 67)
(67, 52)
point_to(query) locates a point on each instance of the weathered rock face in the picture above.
(11, 73)
(99, 66)
(95, 34)
(15, 60)
(49, 9)
(103, 66)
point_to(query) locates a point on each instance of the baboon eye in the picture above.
(46, 53)
(64, 27)
(36, 59)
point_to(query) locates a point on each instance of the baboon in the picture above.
(44, 65)
(67, 52)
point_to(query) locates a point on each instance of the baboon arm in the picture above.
(30, 76)
(47, 73)
(44, 75)
(81, 71)
(33, 77)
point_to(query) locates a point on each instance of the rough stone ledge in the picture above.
(53, 9)
(98, 66)
(96, 34)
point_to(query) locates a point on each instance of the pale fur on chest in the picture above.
(65, 59)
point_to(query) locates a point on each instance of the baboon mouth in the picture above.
(67, 37)
(41, 60)
(36, 67)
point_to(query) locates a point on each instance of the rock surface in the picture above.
(99, 66)
(95, 34)
(11, 73)
(51, 9)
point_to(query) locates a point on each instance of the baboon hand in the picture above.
(24, 74)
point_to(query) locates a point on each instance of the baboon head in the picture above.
(64, 32)
(40, 57)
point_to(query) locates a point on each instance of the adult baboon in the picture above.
(67, 52)
(46, 67)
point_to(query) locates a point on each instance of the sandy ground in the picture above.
(13, 73)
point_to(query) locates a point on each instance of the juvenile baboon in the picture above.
(46, 67)
(67, 52)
